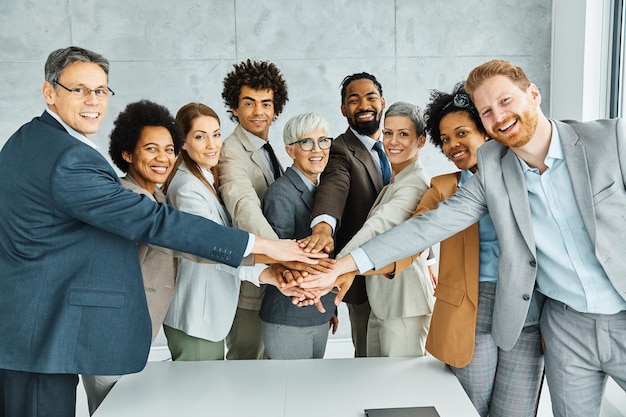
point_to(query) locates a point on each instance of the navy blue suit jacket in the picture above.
(72, 298)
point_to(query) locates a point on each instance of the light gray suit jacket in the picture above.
(595, 154)
(244, 178)
(206, 295)
(409, 293)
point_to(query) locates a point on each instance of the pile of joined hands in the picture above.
(314, 274)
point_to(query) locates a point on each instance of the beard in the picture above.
(526, 125)
(365, 128)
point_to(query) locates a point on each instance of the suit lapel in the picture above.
(305, 194)
(254, 154)
(362, 154)
(515, 185)
(576, 162)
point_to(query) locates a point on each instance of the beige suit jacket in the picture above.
(410, 293)
(158, 266)
(244, 178)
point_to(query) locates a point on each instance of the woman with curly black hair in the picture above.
(499, 383)
(143, 144)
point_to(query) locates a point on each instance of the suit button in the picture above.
(533, 263)
(526, 297)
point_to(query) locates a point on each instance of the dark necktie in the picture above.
(384, 162)
(273, 160)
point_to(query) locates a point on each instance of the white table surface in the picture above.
(302, 388)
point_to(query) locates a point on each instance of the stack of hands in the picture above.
(303, 270)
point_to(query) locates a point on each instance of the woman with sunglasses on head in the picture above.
(288, 331)
(499, 383)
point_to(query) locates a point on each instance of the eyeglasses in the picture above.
(84, 92)
(308, 144)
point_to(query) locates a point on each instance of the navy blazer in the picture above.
(287, 206)
(72, 298)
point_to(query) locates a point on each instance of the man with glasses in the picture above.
(72, 299)
(357, 171)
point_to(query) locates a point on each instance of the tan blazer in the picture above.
(453, 324)
(410, 293)
(244, 178)
(158, 266)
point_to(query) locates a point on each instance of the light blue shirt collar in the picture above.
(555, 151)
(256, 141)
(367, 141)
(306, 181)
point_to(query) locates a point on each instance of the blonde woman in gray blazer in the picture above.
(401, 307)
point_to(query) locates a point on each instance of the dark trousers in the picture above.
(28, 394)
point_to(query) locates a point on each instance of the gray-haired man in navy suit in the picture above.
(72, 299)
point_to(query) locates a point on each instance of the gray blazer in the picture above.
(595, 153)
(287, 206)
(206, 295)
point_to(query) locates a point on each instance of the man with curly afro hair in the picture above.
(255, 93)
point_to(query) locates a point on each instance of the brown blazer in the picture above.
(453, 326)
(348, 188)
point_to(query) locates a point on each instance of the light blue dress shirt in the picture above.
(84, 139)
(568, 269)
(489, 247)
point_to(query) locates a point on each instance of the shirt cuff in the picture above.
(251, 242)
(362, 261)
(326, 218)
(251, 273)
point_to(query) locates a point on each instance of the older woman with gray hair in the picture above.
(401, 307)
(291, 332)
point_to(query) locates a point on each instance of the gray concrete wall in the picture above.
(173, 52)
